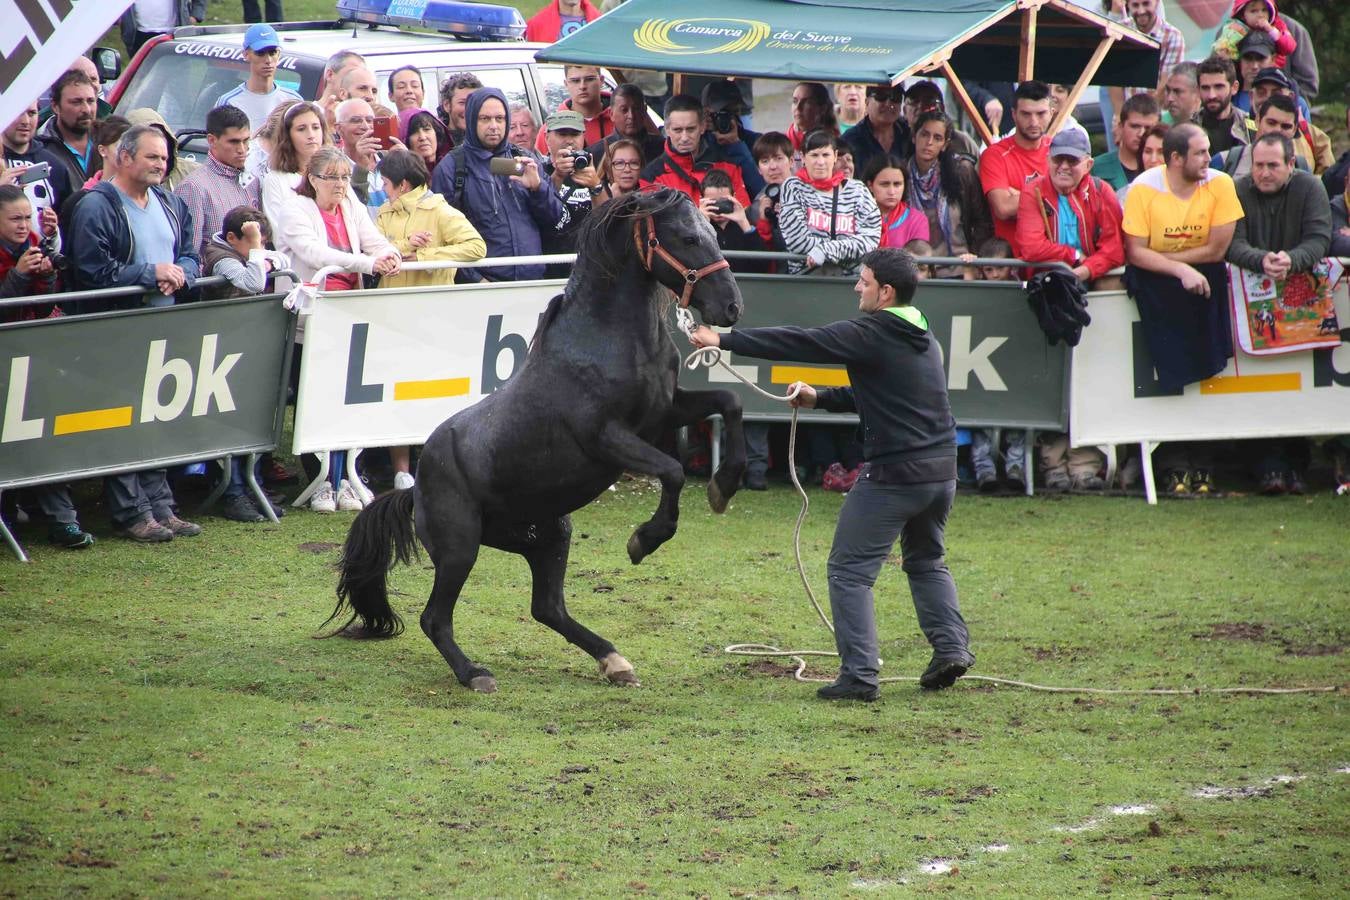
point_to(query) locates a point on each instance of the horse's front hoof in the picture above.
(483, 684)
(636, 552)
(716, 499)
(618, 670)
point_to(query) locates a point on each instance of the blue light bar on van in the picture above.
(481, 20)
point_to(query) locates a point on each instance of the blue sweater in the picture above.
(101, 243)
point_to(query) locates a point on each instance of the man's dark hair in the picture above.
(1178, 141)
(896, 267)
(222, 118)
(682, 103)
(237, 217)
(1216, 65)
(1187, 70)
(716, 179)
(921, 88)
(71, 77)
(1139, 105)
(409, 68)
(771, 142)
(109, 131)
(10, 193)
(404, 165)
(457, 82)
(1284, 143)
(1035, 91)
(631, 91)
(1283, 102)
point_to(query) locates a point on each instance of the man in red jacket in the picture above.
(586, 95)
(559, 19)
(1068, 215)
(681, 166)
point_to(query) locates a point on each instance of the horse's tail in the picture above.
(381, 535)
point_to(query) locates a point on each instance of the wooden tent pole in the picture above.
(976, 114)
(1026, 56)
(1089, 71)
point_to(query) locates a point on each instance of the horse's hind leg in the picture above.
(546, 546)
(454, 560)
(624, 448)
(695, 406)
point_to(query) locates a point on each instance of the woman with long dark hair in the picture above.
(945, 187)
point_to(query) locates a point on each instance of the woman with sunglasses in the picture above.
(325, 225)
(881, 132)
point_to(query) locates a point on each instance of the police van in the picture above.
(183, 75)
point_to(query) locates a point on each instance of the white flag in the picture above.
(39, 41)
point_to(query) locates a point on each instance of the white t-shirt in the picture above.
(257, 106)
(153, 16)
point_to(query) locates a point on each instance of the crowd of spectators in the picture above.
(1218, 163)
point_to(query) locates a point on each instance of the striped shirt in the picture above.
(1172, 50)
(212, 190)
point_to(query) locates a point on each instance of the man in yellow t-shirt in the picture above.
(1181, 213)
(1179, 220)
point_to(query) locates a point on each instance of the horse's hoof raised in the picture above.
(483, 684)
(618, 670)
(635, 550)
(716, 499)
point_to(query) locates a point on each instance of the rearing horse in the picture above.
(597, 388)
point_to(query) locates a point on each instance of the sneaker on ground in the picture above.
(240, 508)
(69, 535)
(1057, 480)
(146, 531)
(1015, 478)
(943, 672)
(1178, 483)
(403, 481)
(273, 472)
(851, 690)
(1294, 484)
(322, 500)
(1200, 483)
(1089, 482)
(755, 481)
(348, 500)
(181, 527)
(986, 482)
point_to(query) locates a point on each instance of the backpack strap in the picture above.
(458, 155)
(1232, 158)
(672, 166)
(834, 212)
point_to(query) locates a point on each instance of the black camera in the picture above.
(723, 121)
(724, 206)
(48, 248)
(581, 159)
(773, 192)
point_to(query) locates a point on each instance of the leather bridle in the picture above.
(649, 245)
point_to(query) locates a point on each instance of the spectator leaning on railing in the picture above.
(945, 187)
(421, 225)
(831, 219)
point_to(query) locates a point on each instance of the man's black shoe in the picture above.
(855, 690)
(755, 481)
(943, 672)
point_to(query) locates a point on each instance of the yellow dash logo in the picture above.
(703, 36)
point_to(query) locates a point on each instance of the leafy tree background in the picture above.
(1328, 21)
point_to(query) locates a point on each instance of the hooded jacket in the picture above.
(452, 237)
(49, 139)
(509, 217)
(101, 253)
(180, 167)
(898, 386)
(1099, 215)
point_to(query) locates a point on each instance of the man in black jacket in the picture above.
(899, 390)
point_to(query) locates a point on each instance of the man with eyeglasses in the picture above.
(220, 183)
(261, 94)
(881, 131)
(587, 97)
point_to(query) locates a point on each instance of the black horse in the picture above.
(597, 388)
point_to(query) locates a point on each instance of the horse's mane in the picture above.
(597, 247)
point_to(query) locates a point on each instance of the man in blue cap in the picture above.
(261, 94)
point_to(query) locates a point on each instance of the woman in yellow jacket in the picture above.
(421, 224)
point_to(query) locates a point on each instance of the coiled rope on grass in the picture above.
(711, 356)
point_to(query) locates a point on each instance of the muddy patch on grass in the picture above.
(938, 866)
(876, 884)
(1243, 792)
(1235, 631)
(770, 667)
(1314, 649)
(995, 848)
(317, 547)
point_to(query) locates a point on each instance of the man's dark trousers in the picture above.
(274, 13)
(873, 516)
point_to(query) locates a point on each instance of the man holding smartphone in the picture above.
(46, 188)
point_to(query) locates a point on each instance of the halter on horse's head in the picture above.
(652, 245)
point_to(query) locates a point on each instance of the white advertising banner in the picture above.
(384, 368)
(1115, 397)
(41, 38)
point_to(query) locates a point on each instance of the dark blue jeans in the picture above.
(874, 515)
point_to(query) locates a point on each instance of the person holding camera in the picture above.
(734, 231)
(498, 188)
(686, 159)
(574, 177)
(25, 268)
(725, 134)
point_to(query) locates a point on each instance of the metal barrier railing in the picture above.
(210, 281)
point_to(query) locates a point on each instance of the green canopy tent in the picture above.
(870, 42)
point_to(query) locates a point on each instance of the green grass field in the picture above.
(172, 729)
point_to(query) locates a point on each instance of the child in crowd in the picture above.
(981, 440)
(25, 269)
(900, 223)
(843, 159)
(773, 156)
(920, 248)
(734, 231)
(1250, 16)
